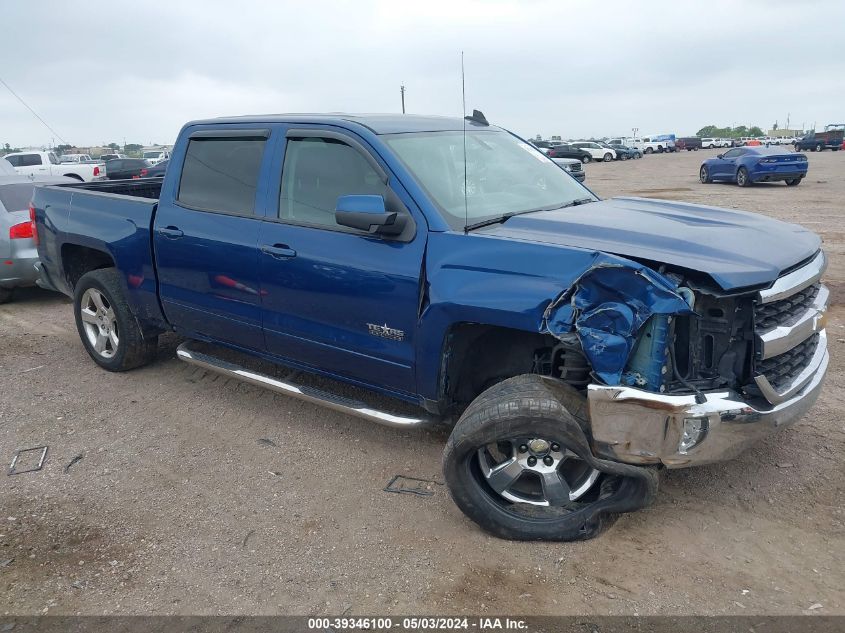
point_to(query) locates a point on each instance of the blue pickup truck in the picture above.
(577, 346)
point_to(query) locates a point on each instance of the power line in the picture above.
(35, 114)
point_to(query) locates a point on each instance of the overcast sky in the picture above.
(104, 71)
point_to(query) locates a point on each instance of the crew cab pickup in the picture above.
(48, 164)
(830, 138)
(576, 345)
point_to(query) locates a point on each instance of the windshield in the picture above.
(152, 154)
(503, 174)
(16, 197)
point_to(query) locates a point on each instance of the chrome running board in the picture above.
(302, 392)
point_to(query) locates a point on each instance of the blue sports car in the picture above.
(747, 165)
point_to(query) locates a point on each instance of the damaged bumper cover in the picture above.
(641, 427)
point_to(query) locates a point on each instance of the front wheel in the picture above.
(608, 157)
(792, 182)
(106, 325)
(742, 178)
(648, 150)
(586, 158)
(519, 465)
(704, 175)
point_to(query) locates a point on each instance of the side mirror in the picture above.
(368, 213)
(720, 155)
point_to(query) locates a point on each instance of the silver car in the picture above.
(18, 253)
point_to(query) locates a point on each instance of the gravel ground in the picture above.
(198, 495)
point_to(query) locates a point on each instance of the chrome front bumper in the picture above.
(640, 427)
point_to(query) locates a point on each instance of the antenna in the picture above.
(463, 116)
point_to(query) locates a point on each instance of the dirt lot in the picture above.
(197, 495)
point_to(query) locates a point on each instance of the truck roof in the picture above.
(377, 123)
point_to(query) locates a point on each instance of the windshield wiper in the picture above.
(497, 220)
(507, 216)
(578, 202)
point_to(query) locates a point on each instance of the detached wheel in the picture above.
(608, 157)
(792, 182)
(742, 178)
(704, 175)
(106, 325)
(518, 464)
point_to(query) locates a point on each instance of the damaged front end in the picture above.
(681, 373)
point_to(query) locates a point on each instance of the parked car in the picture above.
(124, 168)
(624, 152)
(689, 143)
(47, 164)
(596, 150)
(543, 146)
(747, 165)
(564, 150)
(830, 138)
(18, 253)
(573, 166)
(646, 145)
(711, 143)
(576, 344)
(156, 156)
(158, 170)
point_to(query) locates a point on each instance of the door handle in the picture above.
(171, 232)
(279, 251)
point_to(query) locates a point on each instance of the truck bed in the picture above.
(149, 188)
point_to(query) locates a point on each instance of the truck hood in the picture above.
(735, 248)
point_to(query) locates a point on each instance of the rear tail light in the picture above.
(769, 160)
(33, 227)
(144, 171)
(20, 231)
(96, 170)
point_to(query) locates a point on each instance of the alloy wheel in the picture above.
(99, 322)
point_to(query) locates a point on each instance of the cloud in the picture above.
(139, 71)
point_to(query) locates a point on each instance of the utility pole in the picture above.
(402, 92)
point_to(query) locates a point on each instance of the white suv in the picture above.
(595, 150)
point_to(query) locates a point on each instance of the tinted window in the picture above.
(16, 197)
(114, 165)
(221, 174)
(733, 153)
(316, 173)
(25, 160)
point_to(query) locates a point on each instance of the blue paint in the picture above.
(607, 306)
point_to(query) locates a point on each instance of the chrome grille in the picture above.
(785, 311)
(782, 370)
(790, 341)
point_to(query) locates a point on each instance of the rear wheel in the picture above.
(518, 464)
(623, 157)
(608, 157)
(793, 182)
(586, 158)
(106, 325)
(648, 150)
(819, 147)
(742, 178)
(704, 175)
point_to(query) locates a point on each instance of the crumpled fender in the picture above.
(606, 306)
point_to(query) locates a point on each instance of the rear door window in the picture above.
(221, 174)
